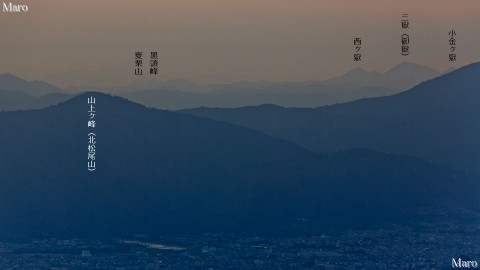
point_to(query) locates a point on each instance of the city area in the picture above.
(423, 246)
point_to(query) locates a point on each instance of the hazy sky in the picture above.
(92, 43)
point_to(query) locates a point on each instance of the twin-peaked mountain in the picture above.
(437, 120)
(160, 172)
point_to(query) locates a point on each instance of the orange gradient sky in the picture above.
(92, 43)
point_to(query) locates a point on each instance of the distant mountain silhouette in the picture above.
(437, 120)
(19, 94)
(160, 172)
(10, 82)
(357, 77)
(286, 95)
(140, 85)
(183, 94)
(17, 100)
(400, 77)
(355, 84)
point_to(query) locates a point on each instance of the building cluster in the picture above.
(427, 246)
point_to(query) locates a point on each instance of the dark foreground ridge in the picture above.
(163, 172)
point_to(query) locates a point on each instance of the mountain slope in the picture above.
(35, 88)
(17, 100)
(437, 120)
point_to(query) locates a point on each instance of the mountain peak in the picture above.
(11, 82)
(409, 67)
(10, 77)
(356, 71)
(100, 95)
(105, 101)
(355, 75)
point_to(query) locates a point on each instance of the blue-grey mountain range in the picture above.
(355, 84)
(437, 120)
(19, 94)
(35, 88)
(161, 172)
